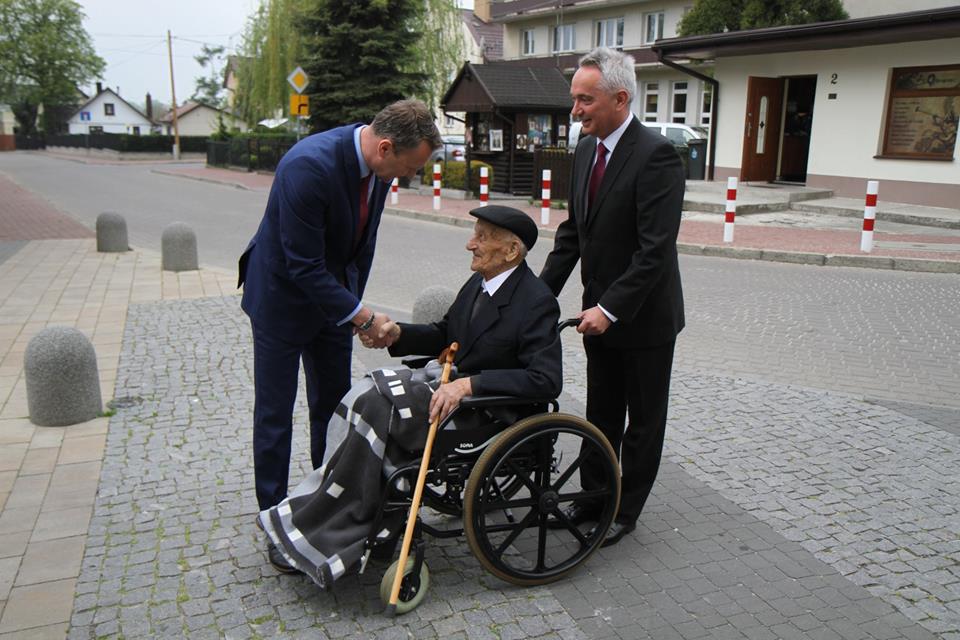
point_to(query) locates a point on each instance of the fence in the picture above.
(124, 142)
(252, 154)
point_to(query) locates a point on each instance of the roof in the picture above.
(501, 85)
(115, 95)
(913, 26)
(489, 36)
(187, 107)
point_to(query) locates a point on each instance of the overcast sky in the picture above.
(132, 37)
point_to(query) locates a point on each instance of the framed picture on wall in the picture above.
(496, 139)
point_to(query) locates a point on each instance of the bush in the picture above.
(453, 175)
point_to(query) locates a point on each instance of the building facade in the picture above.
(107, 112)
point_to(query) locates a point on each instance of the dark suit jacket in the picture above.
(511, 348)
(303, 271)
(627, 241)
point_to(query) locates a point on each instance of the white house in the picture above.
(834, 104)
(6, 128)
(107, 112)
(197, 119)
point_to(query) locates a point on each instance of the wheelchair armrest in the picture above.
(478, 402)
(416, 362)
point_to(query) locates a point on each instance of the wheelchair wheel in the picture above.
(539, 458)
(413, 589)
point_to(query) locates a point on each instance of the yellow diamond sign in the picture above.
(298, 80)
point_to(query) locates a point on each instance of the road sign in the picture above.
(299, 105)
(298, 79)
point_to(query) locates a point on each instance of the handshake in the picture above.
(378, 331)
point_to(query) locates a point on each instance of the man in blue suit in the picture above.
(304, 272)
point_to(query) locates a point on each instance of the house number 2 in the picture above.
(833, 78)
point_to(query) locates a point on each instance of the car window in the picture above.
(676, 136)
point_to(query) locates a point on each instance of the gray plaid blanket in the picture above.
(322, 526)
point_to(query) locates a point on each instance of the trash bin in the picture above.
(697, 159)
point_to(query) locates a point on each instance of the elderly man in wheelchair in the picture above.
(498, 460)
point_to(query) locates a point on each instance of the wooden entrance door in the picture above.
(761, 133)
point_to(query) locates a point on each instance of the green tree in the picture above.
(441, 49)
(717, 16)
(209, 88)
(361, 56)
(270, 49)
(45, 55)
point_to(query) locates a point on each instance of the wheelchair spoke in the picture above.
(511, 504)
(517, 530)
(562, 480)
(534, 489)
(542, 543)
(558, 513)
(583, 495)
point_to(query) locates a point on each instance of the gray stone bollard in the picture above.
(179, 248)
(63, 387)
(111, 233)
(432, 304)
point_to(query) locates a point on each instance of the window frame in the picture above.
(563, 30)
(109, 109)
(603, 26)
(659, 15)
(676, 93)
(903, 93)
(647, 92)
(525, 40)
(706, 106)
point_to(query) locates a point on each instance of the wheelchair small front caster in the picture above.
(413, 589)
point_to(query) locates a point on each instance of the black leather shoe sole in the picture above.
(278, 561)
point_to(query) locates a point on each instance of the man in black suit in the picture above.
(504, 318)
(624, 216)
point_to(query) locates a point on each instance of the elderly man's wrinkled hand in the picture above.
(447, 397)
(382, 333)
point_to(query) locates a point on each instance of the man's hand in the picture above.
(389, 333)
(593, 322)
(375, 337)
(447, 397)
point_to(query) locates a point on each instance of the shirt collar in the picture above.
(364, 169)
(491, 285)
(611, 140)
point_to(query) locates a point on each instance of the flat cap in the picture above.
(510, 219)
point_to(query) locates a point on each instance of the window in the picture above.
(706, 104)
(922, 108)
(136, 131)
(610, 32)
(564, 38)
(526, 42)
(96, 129)
(653, 23)
(675, 135)
(108, 109)
(448, 121)
(679, 111)
(650, 102)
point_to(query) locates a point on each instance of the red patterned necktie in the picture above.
(596, 177)
(364, 207)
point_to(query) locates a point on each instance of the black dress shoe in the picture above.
(577, 514)
(616, 531)
(278, 561)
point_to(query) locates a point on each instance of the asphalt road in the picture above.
(884, 335)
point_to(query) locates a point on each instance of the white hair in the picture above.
(616, 70)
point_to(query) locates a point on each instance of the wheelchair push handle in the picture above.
(569, 322)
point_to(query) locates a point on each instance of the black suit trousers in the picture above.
(276, 369)
(632, 384)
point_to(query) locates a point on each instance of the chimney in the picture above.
(149, 107)
(481, 9)
(99, 88)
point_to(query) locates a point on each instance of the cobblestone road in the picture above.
(734, 544)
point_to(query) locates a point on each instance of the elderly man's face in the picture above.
(492, 250)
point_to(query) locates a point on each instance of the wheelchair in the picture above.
(509, 484)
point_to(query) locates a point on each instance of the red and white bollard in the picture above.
(436, 187)
(869, 216)
(394, 190)
(731, 213)
(545, 198)
(484, 186)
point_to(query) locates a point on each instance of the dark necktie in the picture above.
(482, 299)
(596, 176)
(364, 207)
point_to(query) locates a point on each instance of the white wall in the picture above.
(846, 132)
(123, 120)
(864, 8)
(202, 122)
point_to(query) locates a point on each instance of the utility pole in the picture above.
(173, 97)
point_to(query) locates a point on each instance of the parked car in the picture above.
(453, 149)
(676, 132)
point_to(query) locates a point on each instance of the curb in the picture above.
(882, 216)
(226, 183)
(743, 253)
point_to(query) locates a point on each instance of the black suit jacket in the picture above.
(627, 240)
(511, 348)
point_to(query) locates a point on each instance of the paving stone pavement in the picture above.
(173, 551)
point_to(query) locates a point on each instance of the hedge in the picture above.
(453, 174)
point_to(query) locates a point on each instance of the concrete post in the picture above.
(112, 233)
(63, 386)
(179, 248)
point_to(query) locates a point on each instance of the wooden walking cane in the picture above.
(418, 491)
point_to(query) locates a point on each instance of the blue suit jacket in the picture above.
(303, 272)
